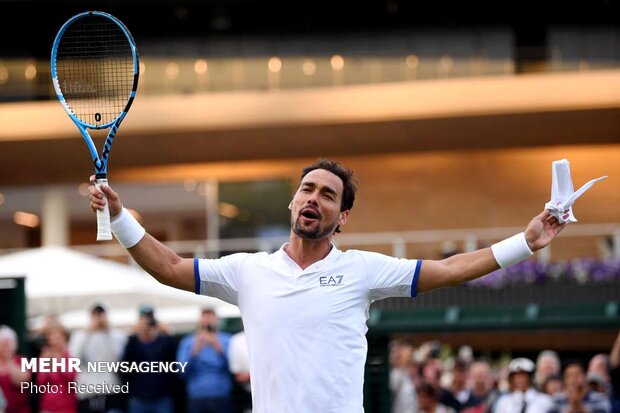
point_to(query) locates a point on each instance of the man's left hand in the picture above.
(541, 230)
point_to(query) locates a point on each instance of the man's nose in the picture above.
(313, 198)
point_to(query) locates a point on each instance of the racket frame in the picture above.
(100, 162)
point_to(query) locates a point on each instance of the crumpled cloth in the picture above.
(563, 195)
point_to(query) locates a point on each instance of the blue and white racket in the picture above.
(95, 73)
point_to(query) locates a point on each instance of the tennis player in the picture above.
(305, 306)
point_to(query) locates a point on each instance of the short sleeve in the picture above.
(219, 277)
(391, 277)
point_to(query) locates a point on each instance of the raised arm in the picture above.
(156, 259)
(465, 267)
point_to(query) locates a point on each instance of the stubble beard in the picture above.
(312, 234)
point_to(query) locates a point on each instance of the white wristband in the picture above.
(126, 229)
(511, 250)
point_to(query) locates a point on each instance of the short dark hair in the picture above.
(573, 362)
(349, 183)
(207, 310)
(428, 390)
(97, 309)
(147, 310)
(461, 365)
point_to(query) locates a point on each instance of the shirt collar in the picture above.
(333, 253)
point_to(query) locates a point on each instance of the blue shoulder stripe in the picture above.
(196, 277)
(414, 282)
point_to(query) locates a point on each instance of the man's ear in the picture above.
(344, 216)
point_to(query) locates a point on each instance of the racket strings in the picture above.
(95, 69)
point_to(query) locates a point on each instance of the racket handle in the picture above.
(103, 216)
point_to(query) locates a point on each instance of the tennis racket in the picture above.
(95, 74)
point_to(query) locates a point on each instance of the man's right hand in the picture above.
(200, 340)
(96, 198)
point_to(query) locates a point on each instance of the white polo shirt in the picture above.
(306, 329)
(531, 401)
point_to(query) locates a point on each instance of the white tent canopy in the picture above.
(66, 283)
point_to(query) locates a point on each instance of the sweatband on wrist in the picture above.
(511, 250)
(127, 229)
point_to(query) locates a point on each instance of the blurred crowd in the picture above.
(427, 379)
(215, 378)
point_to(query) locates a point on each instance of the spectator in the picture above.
(56, 347)
(432, 371)
(614, 373)
(239, 365)
(547, 365)
(97, 343)
(466, 354)
(483, 391)
(577, 398)
(552, 385)
(522, 397)
(208, 381)
(460, 386)
(11, 375)
(598, 373)
(401, 384)
(38, 336)
(596, 383)
(149, 392)
(428, 400)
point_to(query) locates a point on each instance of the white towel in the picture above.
(562, 194)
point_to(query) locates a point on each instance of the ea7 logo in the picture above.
(331, 281)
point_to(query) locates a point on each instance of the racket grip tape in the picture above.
(104, 233)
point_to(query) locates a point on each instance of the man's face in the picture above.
(548, 367)
(520, 381)
(99, 320)
(480, 376)
(432, 372)
(208, 321)
(401, 355)
(574, 377)
(459, 376)
(315, 208)
(56, 339)
(553, 387)
(146, 322)
(598, 364)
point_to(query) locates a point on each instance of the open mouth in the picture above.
(310, 213)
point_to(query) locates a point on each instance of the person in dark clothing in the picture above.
(149, 392)
(614, 373)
